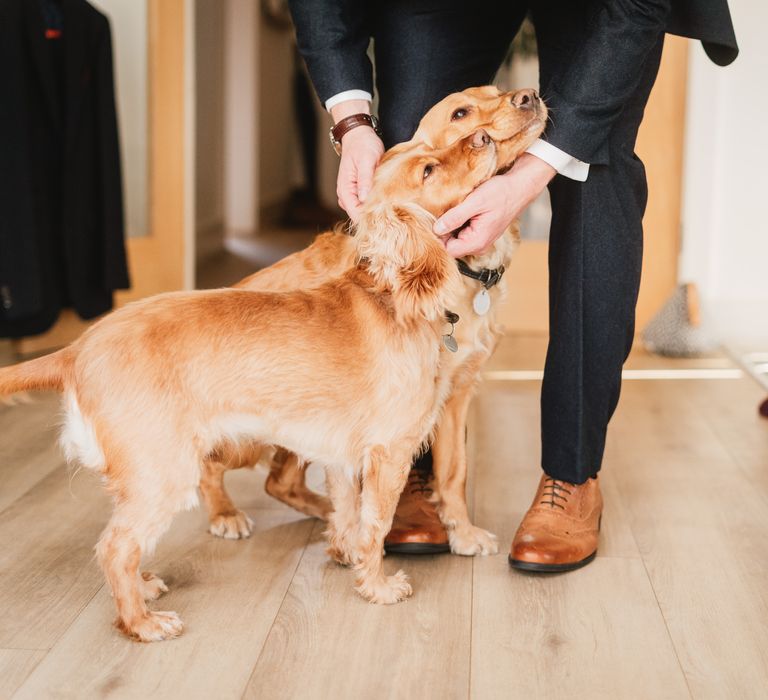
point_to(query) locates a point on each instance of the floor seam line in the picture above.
(661, 611)
(50, 649)
(279, 609)
(666, 627)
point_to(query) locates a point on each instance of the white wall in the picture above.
(241, 116)
(725, 228)
(128, 21)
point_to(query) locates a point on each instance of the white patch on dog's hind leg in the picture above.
(78, 438)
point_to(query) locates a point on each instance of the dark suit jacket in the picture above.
(61, 211)
(590, 88)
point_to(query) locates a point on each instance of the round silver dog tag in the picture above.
(450, 342)
(482, 302)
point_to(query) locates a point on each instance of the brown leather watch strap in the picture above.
(347, 124)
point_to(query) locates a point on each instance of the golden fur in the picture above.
(329, 256)
(349, 375)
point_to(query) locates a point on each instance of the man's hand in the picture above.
(493, 206)
(361, 150)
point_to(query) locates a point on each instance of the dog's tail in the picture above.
(44, 373)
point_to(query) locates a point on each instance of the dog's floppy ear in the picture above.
(405, 256)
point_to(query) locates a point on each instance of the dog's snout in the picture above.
(525, 99)
(480, 139)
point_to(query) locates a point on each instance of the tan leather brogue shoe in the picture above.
(416, 528)
(560, 530)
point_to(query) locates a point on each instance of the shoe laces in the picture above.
(555, 494)
(418, 482)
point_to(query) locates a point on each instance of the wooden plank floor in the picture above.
(674, 606)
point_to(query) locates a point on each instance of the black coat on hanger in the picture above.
(61, 209)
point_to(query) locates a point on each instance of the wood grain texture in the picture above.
(732, 415)
(674, 606)
(46, 555)
(15, 666)
(227, 592)
(416, 648)
(699, 522)
(593, 633)
(28, 443)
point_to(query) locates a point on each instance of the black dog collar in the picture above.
(488, 278)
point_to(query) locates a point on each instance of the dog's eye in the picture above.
(428, 171)
(460, 113)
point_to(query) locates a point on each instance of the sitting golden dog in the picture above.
(514, 121)
(348, 375)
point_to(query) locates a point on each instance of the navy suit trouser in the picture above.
(427, 50)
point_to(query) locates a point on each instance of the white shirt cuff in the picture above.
(562, 162)
(331, 102)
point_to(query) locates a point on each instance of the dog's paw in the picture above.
(386, 590)
(470, 541)
(151, 586)
(234, 525)
(154, 627)
(341, 555)
(341, 546)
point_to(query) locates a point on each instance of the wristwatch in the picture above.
(347, 124)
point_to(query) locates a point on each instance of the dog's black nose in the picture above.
(525, 99)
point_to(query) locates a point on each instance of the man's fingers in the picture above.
(348, 200)
(458, 247)
(350, 204)
(354, 213)
(360, 155)
(346, 189)
(365, 179)
(455, 217)
(366, 167)
(469, 242)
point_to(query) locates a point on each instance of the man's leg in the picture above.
(425, 50)
(595, 256)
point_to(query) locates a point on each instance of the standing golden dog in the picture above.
(514, 121)
(348, 375)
